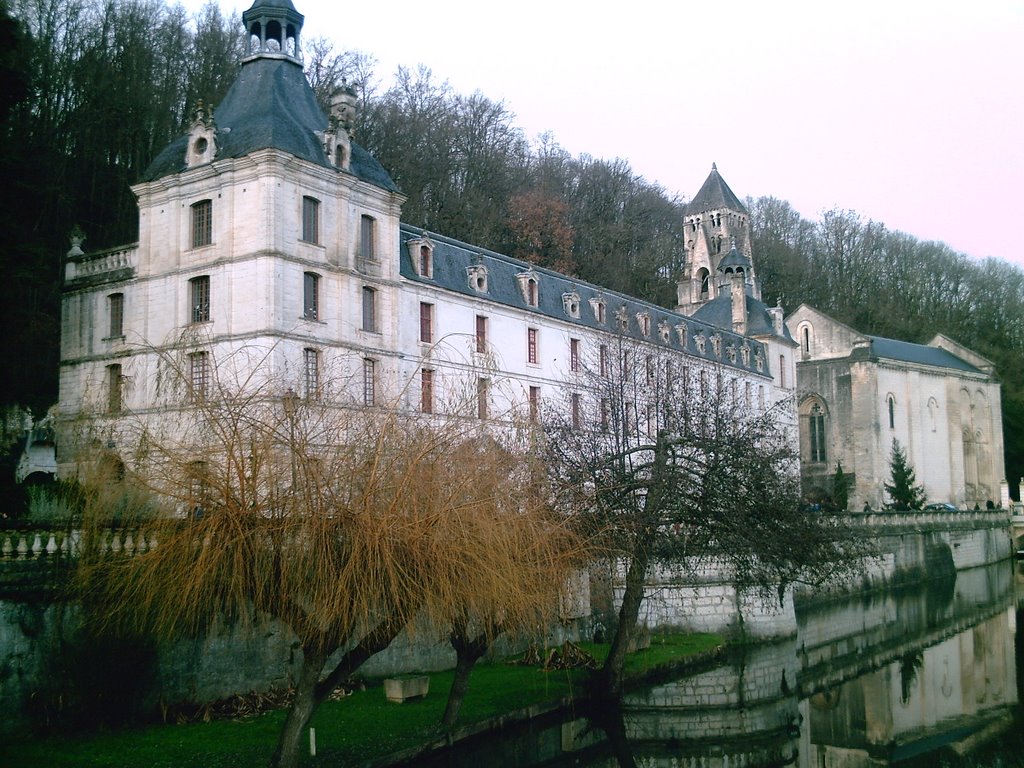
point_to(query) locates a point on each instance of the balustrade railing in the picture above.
(30, 544)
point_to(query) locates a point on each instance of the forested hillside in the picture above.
(96, 87)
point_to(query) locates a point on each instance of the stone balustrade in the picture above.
(102, 262)
(32, 544)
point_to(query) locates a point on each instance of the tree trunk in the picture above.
(305, 703)
(610, 678)
(310, 691)
(467, 653)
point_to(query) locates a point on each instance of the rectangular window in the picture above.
(311, 220)
(115, 310)
(604, 360)
(199, 376)
(628, 419)
(426, 322)
(481, 334)
(369, 382)
(760, 396)
(199, 297)
(427, 390)
(311, 360)
(574, 355)
(114, 389)
(369, 309)
(366, 234)
(483, 387)
(577, 415)
(202, 223)
(651, 369)
(531, 345)
(310, 296)
(426, 268)
(534, 403)
(782, 371)
(604, 414)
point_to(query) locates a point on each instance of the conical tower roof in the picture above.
(714, 195)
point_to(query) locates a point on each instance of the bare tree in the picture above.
(680, 462)
(346, 523)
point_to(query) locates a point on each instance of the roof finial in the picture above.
(714, 166)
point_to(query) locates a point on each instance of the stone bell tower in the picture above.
(717, 224)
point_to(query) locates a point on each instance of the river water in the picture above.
(913, 677)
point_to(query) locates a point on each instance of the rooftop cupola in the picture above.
(273, 28)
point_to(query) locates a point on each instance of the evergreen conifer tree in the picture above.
(903, 491)
(840, 489)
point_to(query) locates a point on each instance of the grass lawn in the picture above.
(357, 728)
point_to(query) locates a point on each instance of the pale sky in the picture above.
(908, 112)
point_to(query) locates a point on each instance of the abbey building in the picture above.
(271, 243)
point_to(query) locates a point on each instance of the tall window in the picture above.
(651, 369)
(483, 387)
(603, 354)
(782, 371)
(199, 298)
(310, 295)
(369, 382)
(311, 360)
(426, 268)
(534, 403)
(427, 390)
(531, 292)
(891, 402)
(577, 415)
(366, 235)
(115, 310)
(481, 334)
(574, 355)
(114, 389)
(817, 434)
(369, 309)
(311, 220)
(202, 223)
(603, 404)
(531, 345)
(199, 376)
(426, 322)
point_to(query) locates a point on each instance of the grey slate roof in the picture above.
(893, 349)
(718, 312)
(270, 106)
(713, 195)
(452, 257)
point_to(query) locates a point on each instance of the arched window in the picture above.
(807, 339)
(816, 429)
(705, 284)
(891, 402)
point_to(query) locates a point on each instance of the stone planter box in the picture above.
(401, 688)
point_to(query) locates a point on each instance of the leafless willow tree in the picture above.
(348, 524)
(677, 463)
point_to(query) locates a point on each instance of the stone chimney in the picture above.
(739, 304)
(341, 124)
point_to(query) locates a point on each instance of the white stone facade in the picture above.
(939, 400)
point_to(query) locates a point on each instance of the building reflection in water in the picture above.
(868, 680)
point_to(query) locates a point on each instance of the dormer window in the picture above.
(701, 341)
(421, 251)
(716, 344)
(745, 353)
(202, 138)
(643, 322)
(622, 318)
(529, 286)
(664, 332)
(684, 340)
(598, 305)
(477, 274)
(571, 304)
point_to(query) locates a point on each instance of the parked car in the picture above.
(940, 507)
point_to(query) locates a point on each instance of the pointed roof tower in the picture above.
(717, 227)
(272, 106)
(714, 195)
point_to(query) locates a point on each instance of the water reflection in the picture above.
(867, 681)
